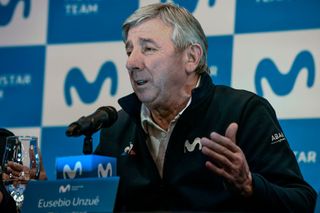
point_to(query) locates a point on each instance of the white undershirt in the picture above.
(158, 139)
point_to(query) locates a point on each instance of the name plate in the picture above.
(84, 166)
(79, 195)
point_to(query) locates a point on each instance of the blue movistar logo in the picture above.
(282, 84)
(6, 11)
(190, 5)
(89, 92)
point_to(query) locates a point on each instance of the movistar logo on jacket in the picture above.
(195, 145)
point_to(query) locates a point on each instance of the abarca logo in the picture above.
(277, 138)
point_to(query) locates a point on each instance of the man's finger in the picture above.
(220, 160)
(15, 166)
(219, 171)
(220, 145)
(231, 132)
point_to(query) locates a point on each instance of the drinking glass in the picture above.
(20, 163)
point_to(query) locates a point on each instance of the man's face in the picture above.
(156, 68)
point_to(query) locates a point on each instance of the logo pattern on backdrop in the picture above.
(89, 92)
(69, 54)
(282, 84)
(190, 5)
(286, 15)
(7, 11)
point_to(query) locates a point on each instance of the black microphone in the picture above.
(104, 116)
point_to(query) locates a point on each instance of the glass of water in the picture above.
(20, 163)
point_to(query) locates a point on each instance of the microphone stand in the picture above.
(87, 144)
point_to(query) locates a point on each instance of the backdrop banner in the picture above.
(62, 59)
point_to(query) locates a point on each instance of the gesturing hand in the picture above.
(228, 160)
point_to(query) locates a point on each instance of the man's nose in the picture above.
(134, 61)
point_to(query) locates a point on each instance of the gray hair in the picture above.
(186, 28)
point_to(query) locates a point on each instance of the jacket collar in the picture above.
(132, 105)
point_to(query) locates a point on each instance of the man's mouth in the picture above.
(140, 82)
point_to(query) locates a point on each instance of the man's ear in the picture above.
(193, 55)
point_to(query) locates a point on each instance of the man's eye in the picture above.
(148, 49)
(128, 53)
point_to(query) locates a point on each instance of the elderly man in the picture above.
(185, 144)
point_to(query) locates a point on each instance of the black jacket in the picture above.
(187, 185)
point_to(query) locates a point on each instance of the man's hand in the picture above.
(18, 172)
(228, 160)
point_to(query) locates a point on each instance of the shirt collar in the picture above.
(145, 114)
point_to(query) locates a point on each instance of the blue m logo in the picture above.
(69, 173)
(282, 84)
(89, 92)
(190, 4)
(104, 172)
(7, 11)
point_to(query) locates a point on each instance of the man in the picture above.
(185, 144)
